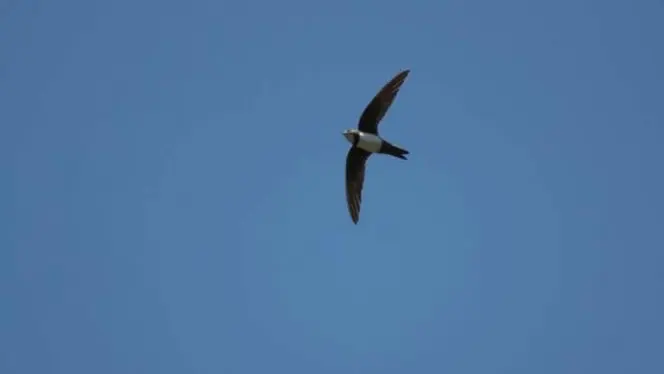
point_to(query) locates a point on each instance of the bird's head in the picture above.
(350, 135)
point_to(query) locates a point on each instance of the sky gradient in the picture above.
(172, 187)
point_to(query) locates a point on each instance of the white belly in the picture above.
(369, 142)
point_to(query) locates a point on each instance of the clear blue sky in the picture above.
(172, 187)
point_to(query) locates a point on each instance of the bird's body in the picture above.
(369, 142)
(373, 143)
(365, 141)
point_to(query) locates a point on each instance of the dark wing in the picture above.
(355, 166)
(377, 108)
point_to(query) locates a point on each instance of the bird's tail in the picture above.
(395, 151)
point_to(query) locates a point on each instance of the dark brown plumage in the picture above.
(375, 111)
(355, 164)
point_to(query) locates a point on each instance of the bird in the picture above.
(365, 140)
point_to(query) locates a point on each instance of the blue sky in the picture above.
(172, 194)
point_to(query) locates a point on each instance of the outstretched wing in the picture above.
(355, 165)
(377, 108)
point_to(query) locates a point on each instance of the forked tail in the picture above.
(395, 151)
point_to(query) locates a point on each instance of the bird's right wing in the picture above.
(375, 111)
(355, 167)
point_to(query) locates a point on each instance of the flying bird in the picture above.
(365, 140)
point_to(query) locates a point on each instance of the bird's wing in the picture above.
(355, 166)
(377, 108)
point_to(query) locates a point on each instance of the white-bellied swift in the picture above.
(366, 140)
